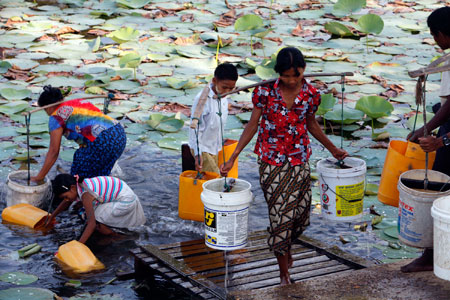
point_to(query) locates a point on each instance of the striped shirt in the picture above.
(107, 188)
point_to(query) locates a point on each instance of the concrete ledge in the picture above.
(373, 283)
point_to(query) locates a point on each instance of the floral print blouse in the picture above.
(282, 133)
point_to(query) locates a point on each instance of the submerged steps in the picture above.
(201, 271)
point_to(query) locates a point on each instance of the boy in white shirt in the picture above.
(209, 129)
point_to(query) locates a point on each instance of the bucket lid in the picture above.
(329, 166)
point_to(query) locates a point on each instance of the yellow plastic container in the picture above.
(24, 214)
(229, 147)
(400, 157)
(78, 258)
(190, 206)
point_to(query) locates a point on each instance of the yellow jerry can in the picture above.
(24, 214)
(190, 206)
(78, 258)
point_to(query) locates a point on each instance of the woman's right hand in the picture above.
(226, 167)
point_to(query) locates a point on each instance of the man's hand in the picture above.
(430, 143)
(226, 167)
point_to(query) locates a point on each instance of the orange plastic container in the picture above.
(400, 157)
(78, 258)
(24, 214)
(190, 206)
(229, 147)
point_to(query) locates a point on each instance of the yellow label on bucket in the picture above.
(349, 199)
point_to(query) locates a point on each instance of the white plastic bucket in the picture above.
(440, 212)
(342, 190)
(415, 224)
(226, 214)
(17, 193)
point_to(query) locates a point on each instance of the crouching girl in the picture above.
(108, 201)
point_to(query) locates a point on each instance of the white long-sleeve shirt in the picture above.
(444, 91)
(209, 133)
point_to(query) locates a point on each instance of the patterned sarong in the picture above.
(287, 190)
(97, 158)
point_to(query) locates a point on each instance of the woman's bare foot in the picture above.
(423, 263)
(285, 280)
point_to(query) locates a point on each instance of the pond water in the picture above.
(153, 175)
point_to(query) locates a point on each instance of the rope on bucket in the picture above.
(341, 162)
(226, 187)
(421, 99)
(199, 174)
(27, 124)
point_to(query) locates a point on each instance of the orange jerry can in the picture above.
(190, 206)
(228, 148)
(400, 157)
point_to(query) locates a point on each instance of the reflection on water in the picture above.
(153, 174)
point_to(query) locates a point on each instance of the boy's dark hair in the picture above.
(60, 185)
(226, 71)
(50, 95)
(288, 58)
(439, 21)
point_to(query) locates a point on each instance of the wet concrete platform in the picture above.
(372, 283)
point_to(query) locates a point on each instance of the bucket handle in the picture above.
(328, 188)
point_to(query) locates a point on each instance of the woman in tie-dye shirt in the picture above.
(101, 138)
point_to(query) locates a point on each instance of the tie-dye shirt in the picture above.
(81, 120)
(106, 188)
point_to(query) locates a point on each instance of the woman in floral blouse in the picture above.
(287, 109)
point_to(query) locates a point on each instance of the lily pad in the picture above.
(15, 94)
(326, 104)
(130, 60)
(18, 278)
(350, 115)
(374, 106)
(347, 7)
(248, 22)
(124, 35)
(13, 107)
(391, 232)
(265, 73)
(371, 23)
(338, 29)
(26, 293)
(4, 66)
(169, 143)
(133, 3)
(371, 189)
(178, 83)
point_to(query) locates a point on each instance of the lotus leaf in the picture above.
(371, 189)
(133, 3)
(18, 278)
(124, 35)
(399, 254)
(350, 115)
(26, 293)
(124, 85)
(178, 83)
(419, 121)
(193, 51)
(346, 7)
(170, 143)
(158, 57)
(67, 155)
(155, 70)
(34, 129)
(374, 106)
(15, 94)
(13, 107)
(170, 125)
(130, 60)
(327, 103)
(265, 72)
(4, 66)
(248, 22)
(339, 29)
(371, 23)
(8, 132)
(88, 296)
